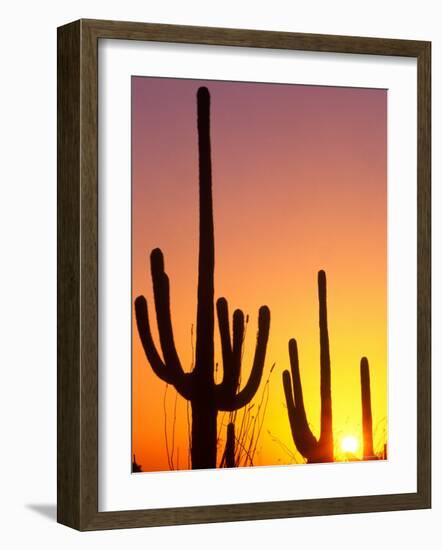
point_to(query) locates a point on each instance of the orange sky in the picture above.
(299, 184)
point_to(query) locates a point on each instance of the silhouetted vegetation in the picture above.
(367, 419)
(206, 397)
(136, 467)
(312, 449)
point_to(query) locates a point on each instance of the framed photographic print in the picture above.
(243, 275)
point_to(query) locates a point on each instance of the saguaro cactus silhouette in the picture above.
(314, 450)
(206, 397)
(367, 419)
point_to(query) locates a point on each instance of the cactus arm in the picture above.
(222, 311)
(204, 349)
(251, 387)
(367, 418)
(143, 325)
(303, 437)
(231, 352)
(291, 409)
(162, 305)
(297, 386)
(180, 380)
(168, 372)
(238, 339)
(326, 437)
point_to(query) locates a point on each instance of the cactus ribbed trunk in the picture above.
(204, 412)
(367, 418)
(204, 434)
(206, 262)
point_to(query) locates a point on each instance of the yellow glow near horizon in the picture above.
(349, 444)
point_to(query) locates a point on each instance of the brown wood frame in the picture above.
(77, 410)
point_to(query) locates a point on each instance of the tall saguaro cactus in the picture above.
(367, 418)
(206, 397)
(314, 450)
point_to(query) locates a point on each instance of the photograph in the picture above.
(220, 242)
(259, 274)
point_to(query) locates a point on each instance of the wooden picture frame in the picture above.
(77, 225)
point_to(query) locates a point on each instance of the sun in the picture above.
(349, 444)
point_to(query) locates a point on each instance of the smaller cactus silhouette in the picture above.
(367, 418)
(312, 449)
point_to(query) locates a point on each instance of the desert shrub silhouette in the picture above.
(312, 449)
(136, 468)
(206, 397)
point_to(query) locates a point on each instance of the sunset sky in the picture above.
(299, 185)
